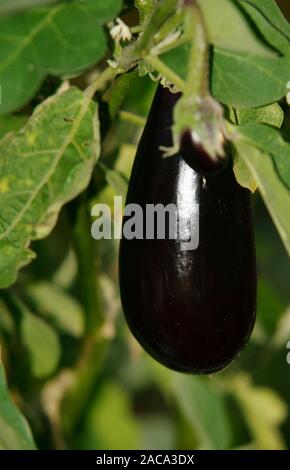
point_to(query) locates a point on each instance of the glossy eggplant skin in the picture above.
(192, 310)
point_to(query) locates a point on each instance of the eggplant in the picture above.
(193, 310)
(196, 156)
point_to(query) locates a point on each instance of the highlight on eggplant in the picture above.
(192, 310)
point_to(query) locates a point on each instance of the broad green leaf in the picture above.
(264, 411)
(11, 6)
(14, 430)
(230, 29)
(238, 79)
(204, 409)
(41, 343)
(270, 21)
(42, 167)
(247, 80)
(61, 39)
(274, 192)
(272, 114)
(58, 306)
(269, 140)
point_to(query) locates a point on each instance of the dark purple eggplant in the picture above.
(191, 310)
(197, 157)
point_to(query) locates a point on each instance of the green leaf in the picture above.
(243, 175)
(264, 411)
(67, 271)
(177, 59)
(270, 21)
(42, 167)
(14, 431)
(238, 79)
(11, 6)
(247, 80)
(204, 409)
(41, 343)
(116, 180)
(58, 306)
(231, 29)
(272, 189)
(269, 140)
(270, 305)
(57, 40)
(272, 114)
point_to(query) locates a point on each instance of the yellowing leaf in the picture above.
(264, 411)
(272, 114)
(274, 192)
(244, 175)
(43, 166)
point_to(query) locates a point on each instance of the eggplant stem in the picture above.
(197, 81)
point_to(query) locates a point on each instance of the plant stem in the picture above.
(103, 78)
(145, 8)
(197, 81)
(160, 13)
(85, 376)
(132, 118)
(160, 66)
(133, 53)
(118, 91)
(169, 26)
(85, 251)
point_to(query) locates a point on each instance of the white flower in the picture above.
(120, 32)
